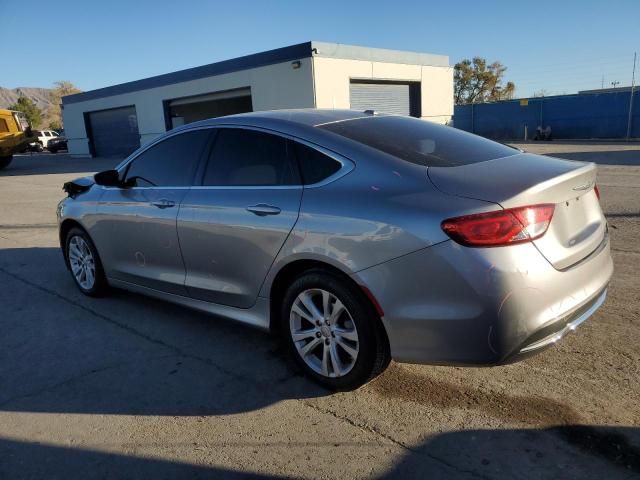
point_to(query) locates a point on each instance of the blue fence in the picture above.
(601, 115)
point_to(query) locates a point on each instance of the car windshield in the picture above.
(419, 141)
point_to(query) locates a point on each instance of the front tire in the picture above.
(332, 332)
(84, 263)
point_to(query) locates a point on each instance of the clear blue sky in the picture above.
(561, 46)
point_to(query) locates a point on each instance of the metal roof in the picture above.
(269, 57)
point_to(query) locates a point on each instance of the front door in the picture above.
(135, 231)
(232, 226)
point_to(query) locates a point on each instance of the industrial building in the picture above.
(115, 120)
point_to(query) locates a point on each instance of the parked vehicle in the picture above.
(15, 135)
(356, 237)
(42, 139)
(56, 144)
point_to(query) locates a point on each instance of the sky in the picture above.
(559, 46)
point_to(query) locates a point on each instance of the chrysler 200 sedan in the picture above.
(357, 237)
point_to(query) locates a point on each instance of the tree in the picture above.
(54, 113)
(543, 92)
(475, 81)
(30, 110)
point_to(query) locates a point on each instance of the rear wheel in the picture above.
(5, 161)
(84, 263)
(332, 332)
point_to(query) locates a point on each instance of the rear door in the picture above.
(233, 225)
(135, 230)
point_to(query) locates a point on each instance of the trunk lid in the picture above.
(578, 225)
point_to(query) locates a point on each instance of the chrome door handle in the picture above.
(163, 203)
(262, 209)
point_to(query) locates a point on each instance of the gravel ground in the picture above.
(129, 387)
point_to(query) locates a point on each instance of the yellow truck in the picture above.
(15, 135)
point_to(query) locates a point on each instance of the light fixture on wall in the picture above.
(296, 64)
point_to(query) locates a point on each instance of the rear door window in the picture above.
(243, 157)
(169, 163)
(420, 141)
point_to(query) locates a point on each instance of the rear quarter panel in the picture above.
(383, 209)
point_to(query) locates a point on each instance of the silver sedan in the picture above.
(356, 237)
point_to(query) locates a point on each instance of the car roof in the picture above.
(311, 117)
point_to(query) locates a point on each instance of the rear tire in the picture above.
(84, 263)
(337, 340)
(5, 161)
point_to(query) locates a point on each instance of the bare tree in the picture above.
(475, 81)
(54, 113)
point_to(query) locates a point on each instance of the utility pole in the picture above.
(615, 83)
(633, 82)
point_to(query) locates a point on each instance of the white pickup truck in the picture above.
(43, 137)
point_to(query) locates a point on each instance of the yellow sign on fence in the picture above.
(524, 102)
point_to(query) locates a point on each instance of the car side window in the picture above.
(47, 134)
(243, 157)
(3, 126)
(315, 166)
(170, 163)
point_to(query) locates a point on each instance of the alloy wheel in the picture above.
(324, 333)
(83, 265)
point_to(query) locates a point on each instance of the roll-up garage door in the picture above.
(381, 97)
(114, 132)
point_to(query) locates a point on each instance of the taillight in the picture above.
(502, 227)
(597, 190)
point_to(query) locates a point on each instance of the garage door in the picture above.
(381, 97)
(114, 132)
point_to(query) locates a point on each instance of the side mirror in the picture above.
(108, 178)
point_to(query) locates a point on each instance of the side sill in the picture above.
(256, 316)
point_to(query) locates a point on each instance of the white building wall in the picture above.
(332, 78)
(273, 87)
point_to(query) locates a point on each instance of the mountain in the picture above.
(40, 96)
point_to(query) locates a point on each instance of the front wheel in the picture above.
(332, 332)
(5, 161)
(84, 263)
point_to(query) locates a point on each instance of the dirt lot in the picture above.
(125, 386)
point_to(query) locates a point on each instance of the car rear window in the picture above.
(420, 141)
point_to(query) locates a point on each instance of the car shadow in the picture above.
(48, 163)
(127, 354)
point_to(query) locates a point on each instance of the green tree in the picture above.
(476, 81)
(30, 109)
(54, 113)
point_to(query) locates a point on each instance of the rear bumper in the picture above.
(453, 305)
(548, 335)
